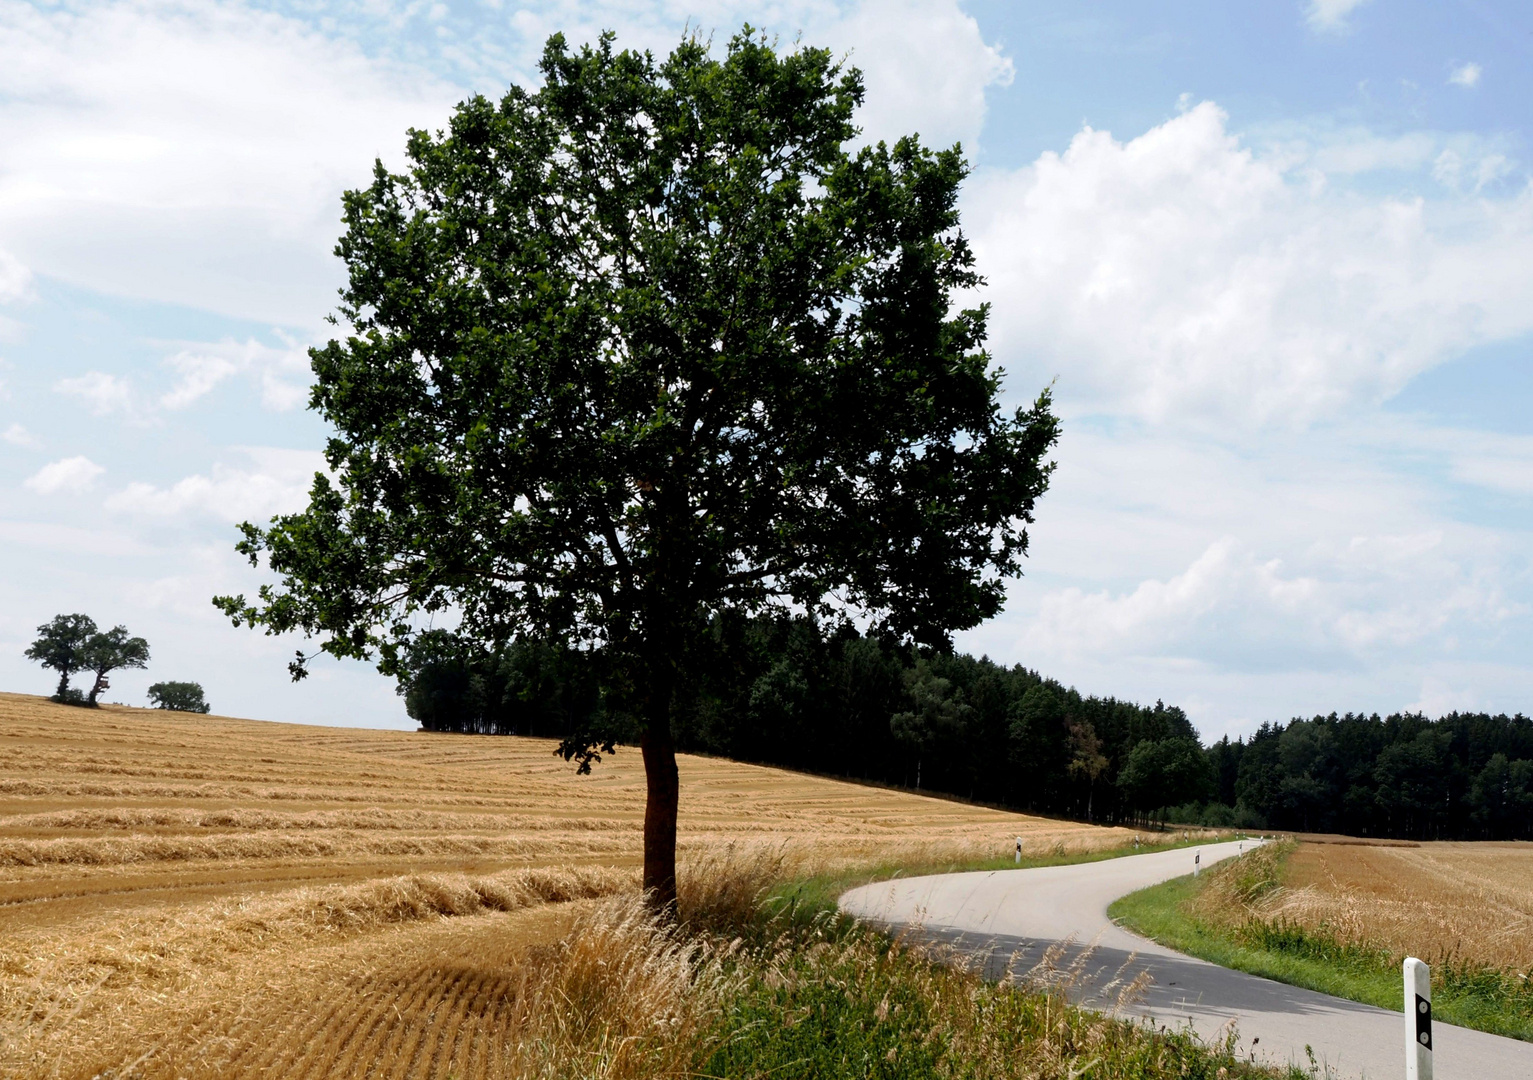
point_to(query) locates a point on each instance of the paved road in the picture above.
(1010, 917)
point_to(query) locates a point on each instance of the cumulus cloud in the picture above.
(282, 373)
(1467, 75)
(195, 151)
(278, 482)
(1330, 16)
(192, 151)
(1183, 274)
(102, 393)
(70, 476)
(927, 68)
(1233, 607)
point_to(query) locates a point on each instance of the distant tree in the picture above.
(1501, 798)
(1164, 773)
(935, 717)
(1086, 759)
(61, 645)
(110, 651)
(653, 343)
(178, 697)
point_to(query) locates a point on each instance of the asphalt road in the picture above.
(1008, 919)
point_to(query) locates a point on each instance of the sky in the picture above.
(1276, 259)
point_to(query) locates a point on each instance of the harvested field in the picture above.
(1472, 902)
(212, 896)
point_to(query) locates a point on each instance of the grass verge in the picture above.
(1217, 917)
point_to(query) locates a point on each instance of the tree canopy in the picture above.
(178, 697)
(60, 645)
(110, 651)
(71, 643)
(642, 346)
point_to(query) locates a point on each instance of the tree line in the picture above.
(786, 692)
(1466, 776)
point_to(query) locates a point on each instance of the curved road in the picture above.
(1010, 917)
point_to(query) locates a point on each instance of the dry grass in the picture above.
(215, 897)
(1468, 902)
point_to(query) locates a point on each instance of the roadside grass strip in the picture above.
(1217, 917)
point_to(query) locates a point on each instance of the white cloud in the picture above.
(102, 393)
(15, 279)
(1439, 698)
(1330, 16)
(1502, 463)
(281, 372)
(17, 435)
(1183, 274)
(1453, 169)
(927, 68)
(70, 475)
(192, 151)
(1468, 75)
(278, 483)
(195, 152)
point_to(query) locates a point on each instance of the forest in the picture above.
(788, 692)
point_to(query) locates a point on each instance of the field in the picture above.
(1340, 916)
(1471, 902)
(196, 895)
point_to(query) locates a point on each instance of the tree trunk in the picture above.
(664, 788)
(100, 685)
(63, 685)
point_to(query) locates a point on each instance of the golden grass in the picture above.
(218, 897)
(1472, 902)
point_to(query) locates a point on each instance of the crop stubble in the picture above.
(220, 896)
(1469, 901)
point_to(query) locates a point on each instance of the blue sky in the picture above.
(1277, 258)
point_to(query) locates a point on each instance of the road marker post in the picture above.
(1418, 1020)
(1197, 862)
(1019, 850)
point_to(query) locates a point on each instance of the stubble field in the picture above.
(1471, 902)
(188, 895)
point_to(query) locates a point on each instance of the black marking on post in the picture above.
(1423, 1021)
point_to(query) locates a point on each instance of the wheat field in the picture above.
(1471, 903)
(186, 895)
(1468, 901)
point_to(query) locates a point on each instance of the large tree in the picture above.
(61, 645)
(647, 344)
(110, 650)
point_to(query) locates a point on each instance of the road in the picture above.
(1009, 918)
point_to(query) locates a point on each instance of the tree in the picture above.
(936, 716)
(1165, 772)
(60, 645)
(1086, 759)
(178, 697)
(110, 651)
(642, 347)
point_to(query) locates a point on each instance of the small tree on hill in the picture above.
(178, 697)
(646, 346)
(110, 651)
(61, 645)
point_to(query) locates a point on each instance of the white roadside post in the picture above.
(1418, 1020)
(1019, 850)
(1197, 862)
